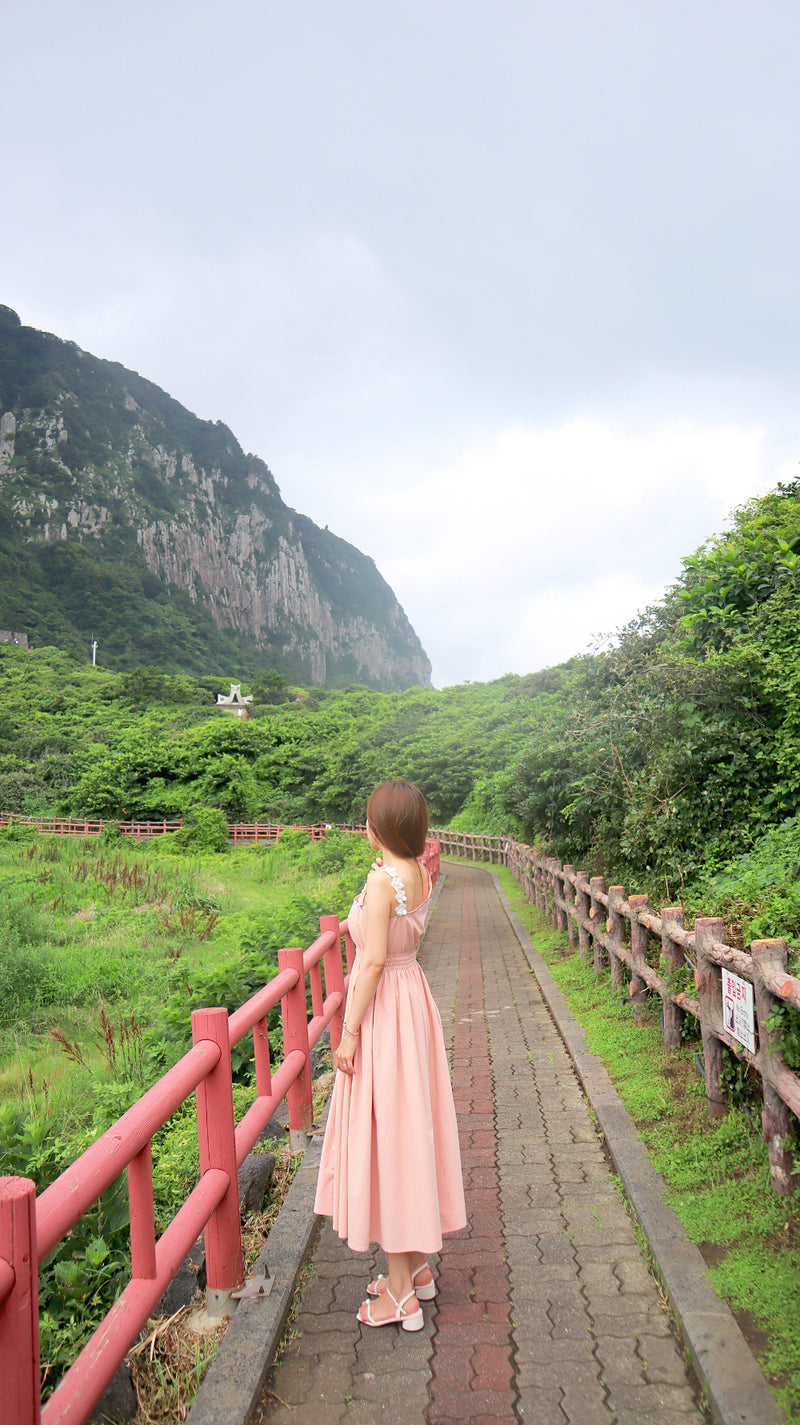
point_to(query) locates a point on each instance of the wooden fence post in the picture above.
(597, 887)
(559, 888)
(616, 936)
(569, 897)
(547, 889)
(334, 974)
(539, 886)
(19, 1338)
(709, 985)
(672, 956)
(638, 957)
(216, 1136)
(769, 958)
(295, 1036)
(582, 911)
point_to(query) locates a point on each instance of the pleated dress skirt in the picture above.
(390, 1171)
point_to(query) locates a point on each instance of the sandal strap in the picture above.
(400, 1304)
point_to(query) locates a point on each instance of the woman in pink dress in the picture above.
(391, 1170)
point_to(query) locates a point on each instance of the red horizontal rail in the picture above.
(259, 1113)
(88, 1377)
(212, 1205)
(320, 1022)
(65, 1200)
(259, 1004)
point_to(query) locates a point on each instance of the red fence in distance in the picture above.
(263, 831)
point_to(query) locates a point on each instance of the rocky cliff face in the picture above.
(93, 455)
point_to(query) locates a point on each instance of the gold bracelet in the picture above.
(354, 1033)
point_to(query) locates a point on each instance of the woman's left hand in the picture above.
(344, 1056)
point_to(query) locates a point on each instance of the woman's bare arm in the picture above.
(378, 907)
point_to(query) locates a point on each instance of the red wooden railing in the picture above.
(31, 1227)
(80, 826)
(237, 831)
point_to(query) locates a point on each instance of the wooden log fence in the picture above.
(620, 935)
(31, 1226)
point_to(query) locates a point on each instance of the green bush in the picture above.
(204, 829)
(760, 890)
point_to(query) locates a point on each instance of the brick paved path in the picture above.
(546, 1312)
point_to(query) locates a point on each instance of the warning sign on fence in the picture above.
(737, 1009)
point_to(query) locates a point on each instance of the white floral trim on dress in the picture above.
(399, 889)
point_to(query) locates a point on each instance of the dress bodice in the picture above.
(406, 927)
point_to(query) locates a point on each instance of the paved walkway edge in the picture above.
(736, 1389)
(233, 1383)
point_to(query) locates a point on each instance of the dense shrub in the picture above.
(204, 829)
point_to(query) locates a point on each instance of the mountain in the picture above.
(125, 518)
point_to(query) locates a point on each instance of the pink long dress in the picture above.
(391, 1171)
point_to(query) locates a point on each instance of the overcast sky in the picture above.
(507, 295)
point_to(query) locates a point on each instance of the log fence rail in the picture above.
(618, 934)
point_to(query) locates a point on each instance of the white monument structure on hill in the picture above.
(234, 702)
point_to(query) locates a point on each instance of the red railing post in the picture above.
(19, 1338)
(334, 974)
(216, 1136)
(262, 1058)
(142, 1219)
(295, 1036)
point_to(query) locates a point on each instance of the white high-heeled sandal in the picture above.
(425, 1292)
(410, 1321)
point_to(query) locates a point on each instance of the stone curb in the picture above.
(233, 1383)
(737, 1392)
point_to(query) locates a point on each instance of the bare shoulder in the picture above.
(380, 885)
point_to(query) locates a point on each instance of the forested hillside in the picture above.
(671, 761)
(146, 744)
(674, 758)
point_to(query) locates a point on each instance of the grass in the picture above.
(90, 931)
(716, 1171)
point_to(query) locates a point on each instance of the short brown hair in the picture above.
(398, 814)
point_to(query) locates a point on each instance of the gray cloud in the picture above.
(373, 238)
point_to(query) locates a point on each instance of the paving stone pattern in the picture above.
(546, 1311)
